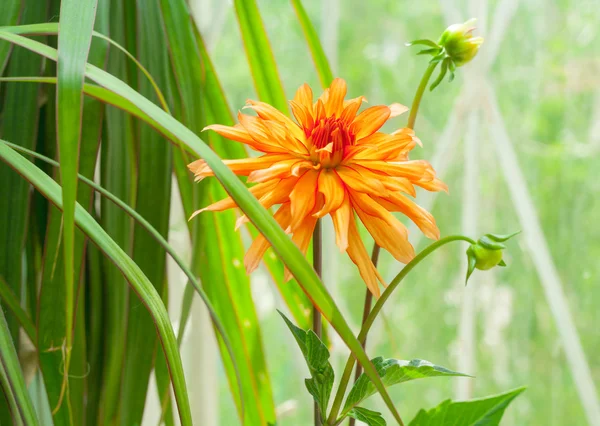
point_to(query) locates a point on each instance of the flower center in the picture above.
(328, 140)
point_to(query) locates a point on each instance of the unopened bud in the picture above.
(486, 253)
(459, 43)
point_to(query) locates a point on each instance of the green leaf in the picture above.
(502, 263)
(371, 418)
(154, 169)
(442, 73)
(501, 237)
(317, 358)
(9, 16)
(12, 303)
(314, 44)
(136, 278)
(283, 245)
(393, 372)
(424, 42)
(74, 39)
(259, 54)
(12, 381)
(471, 262)
(490, 244)
(486, 411)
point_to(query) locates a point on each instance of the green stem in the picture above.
(414, 109)
(317, 325)
(337, 403)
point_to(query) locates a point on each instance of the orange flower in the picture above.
(334, 162)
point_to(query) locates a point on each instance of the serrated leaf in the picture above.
(490, 244)
(392, 372)
(486, 411)
(501, 237)
(371, 418)
(316, 355)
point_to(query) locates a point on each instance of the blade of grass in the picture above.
(218, 250)
(156, 235)
(259, 54)
(154, 184)
(11, 377)
(117, 175)
(12, 303)
(314, 44)
(136, 278)
(216, 102)
(283, 245)
(76, 22)
(18, 101)
(9, 16)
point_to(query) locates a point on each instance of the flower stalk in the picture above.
(317, 322)
(337, 403)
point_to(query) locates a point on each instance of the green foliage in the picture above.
(393, 372)
(316, 355)
(477, 412)
(371, 418)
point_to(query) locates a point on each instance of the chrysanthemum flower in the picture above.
(332, 162)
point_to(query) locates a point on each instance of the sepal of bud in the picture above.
(486, 253)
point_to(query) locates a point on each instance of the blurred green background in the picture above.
(534, 89)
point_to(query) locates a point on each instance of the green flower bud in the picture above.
(486, 253)
(459, 44)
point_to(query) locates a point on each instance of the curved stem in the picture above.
(375, 311)
(414, 108)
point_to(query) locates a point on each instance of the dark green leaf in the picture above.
(471, 262)
(316, 355)
(486, 411)
(441, 75)
(392, 372)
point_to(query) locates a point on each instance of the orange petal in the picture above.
(369, 121)
(304, 96)
(263, 139)
(268, 112)
(387, 231)
(421, 217)
(414, 170)
(399, 184)
(228, 203)
(433, 185)
(350, 109)
(397, 109)
(337, 93)
(279, 170)
(260, 245)
(304, 116)
(341, 220)
(358, 254)
(241, 167)
(303, 197)
(361, 182)
(332, 188)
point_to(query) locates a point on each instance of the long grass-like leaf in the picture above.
(10, 16)
(12, 303)
(314, 44)
(74, 39)
(11, 378)
(283, 245)
(134, 275)
(260, 56)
